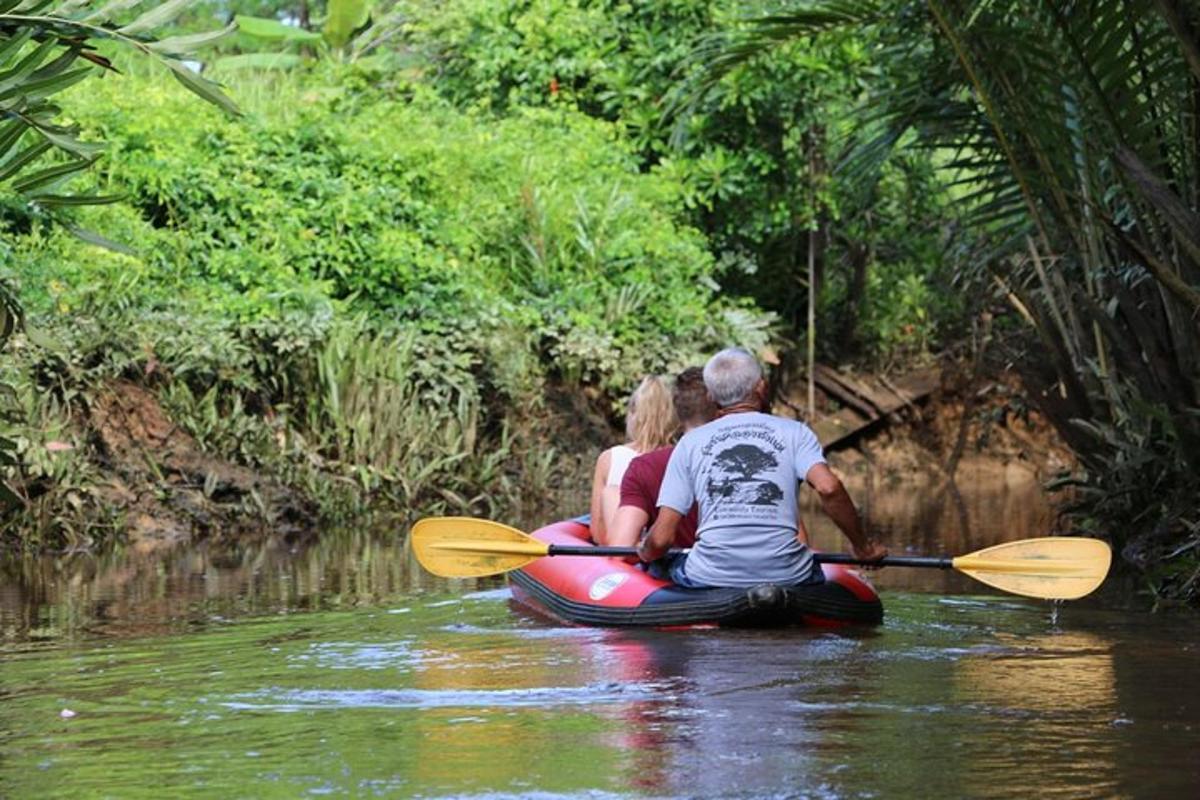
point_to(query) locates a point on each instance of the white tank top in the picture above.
(622, 454)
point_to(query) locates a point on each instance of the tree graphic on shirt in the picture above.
(746, 460)
(736, 480)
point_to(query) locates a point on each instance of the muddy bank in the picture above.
(167, 491)
(953, 440)
(953, 473)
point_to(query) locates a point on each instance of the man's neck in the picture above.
(740, 408)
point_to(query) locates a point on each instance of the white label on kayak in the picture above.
(606, 585)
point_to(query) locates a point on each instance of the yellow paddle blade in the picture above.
(464, 547)
(1053, 568)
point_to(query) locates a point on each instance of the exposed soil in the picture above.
(171, 491)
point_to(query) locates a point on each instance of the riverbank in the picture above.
(137, 460)
(127, 588)
(147, 467)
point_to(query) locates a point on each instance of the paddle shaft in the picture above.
(886, 561)
(822, 558)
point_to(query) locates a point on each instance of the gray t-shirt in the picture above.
(743, 471)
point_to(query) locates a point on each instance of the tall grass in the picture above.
(380, 407)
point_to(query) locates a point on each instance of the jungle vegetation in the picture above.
(1072, 133)
(398, 235)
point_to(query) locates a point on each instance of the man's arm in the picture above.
(661, 535)
(840, 508)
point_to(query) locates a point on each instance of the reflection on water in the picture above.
(959, 698)
(987, 505)
(306, 700)
(1063, 683)
(342, 669)
(1039, 673)
(129, 594)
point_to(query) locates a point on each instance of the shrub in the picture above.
(412, 211)
(365, 296)
(754, 154)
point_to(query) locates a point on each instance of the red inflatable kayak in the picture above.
(607, 591)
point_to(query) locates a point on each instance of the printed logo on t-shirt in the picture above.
(741, 470)
(603, 587)
(734, 476)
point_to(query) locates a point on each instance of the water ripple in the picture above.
(529, 633)
(355, 655)
(318, 699)
(490, 595)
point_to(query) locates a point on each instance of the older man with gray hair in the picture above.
(743, 470)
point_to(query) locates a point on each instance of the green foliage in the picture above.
(351, 30)
(893, 296)
(750, 148)
(369, 283)
(272, 30)
(46, 48)
(397, 208)
(344, 18)
(1075, 155)
(367, 293)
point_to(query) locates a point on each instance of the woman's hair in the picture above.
(650, 422)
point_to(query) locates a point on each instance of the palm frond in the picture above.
(47, 47)
(718, 55)
(1069, 122)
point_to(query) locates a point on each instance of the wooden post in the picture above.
(812, 285)
(812, 329)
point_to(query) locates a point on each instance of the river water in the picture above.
(340, 669)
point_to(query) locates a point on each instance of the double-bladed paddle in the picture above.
(1052, 568)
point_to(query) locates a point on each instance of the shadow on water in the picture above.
(342, 669)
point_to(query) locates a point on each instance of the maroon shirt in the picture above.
(639, 488)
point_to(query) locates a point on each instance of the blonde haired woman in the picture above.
(650, 423)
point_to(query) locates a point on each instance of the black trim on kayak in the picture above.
(765, 605)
